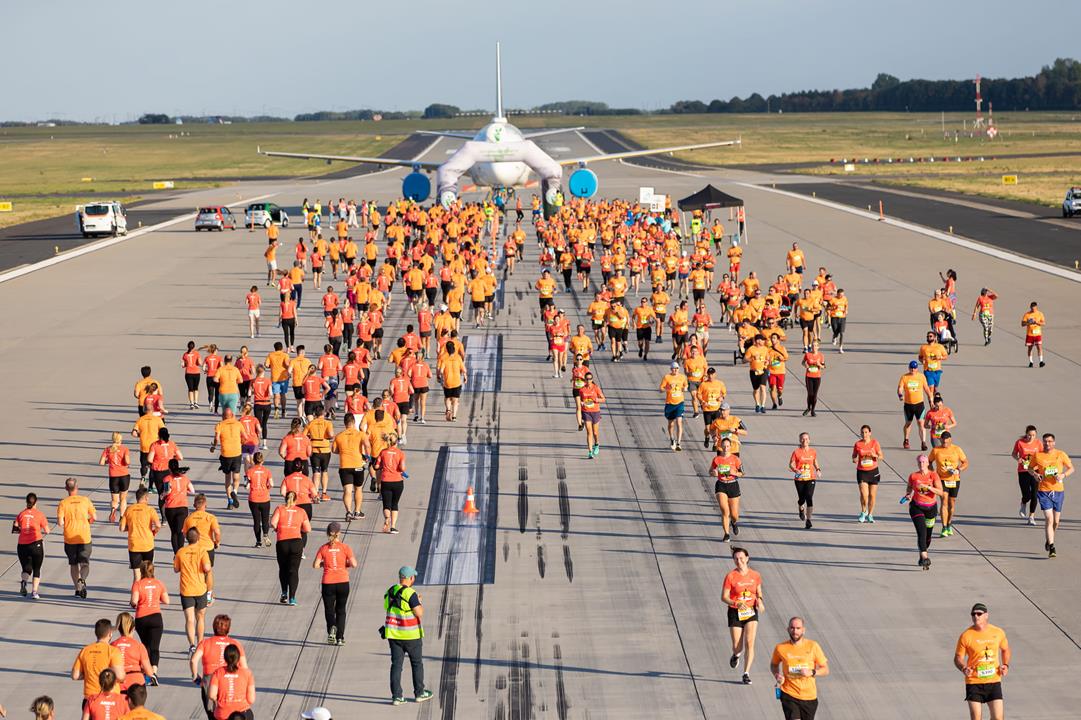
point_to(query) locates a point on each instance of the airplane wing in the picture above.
(464, 135)
(642, 153)
(423, 164)
(555, 131)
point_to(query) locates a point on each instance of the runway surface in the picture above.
(589, 588)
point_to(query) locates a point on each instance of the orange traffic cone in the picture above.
(470, 507)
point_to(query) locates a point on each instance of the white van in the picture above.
(103, 218)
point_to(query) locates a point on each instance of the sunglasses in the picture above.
(978, 613)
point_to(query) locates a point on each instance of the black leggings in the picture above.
(392, 493)
(805, 492)
(262, 414)
(335, 600)
(1027, 483)
(364, 375)
(212, 392)
(813, 384)
(289, 552)
(260, 518)
(336, 344)
(31, 556)
(175, 517)
(923, 519)
(347, 335)
(149, 629)
(289, 331)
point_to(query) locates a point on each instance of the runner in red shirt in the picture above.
(742, 592)
(804, 463)
(391, 468)
(255, 303)
(32, 528)
(232, 687)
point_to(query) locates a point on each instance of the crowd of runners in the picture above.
(281, 421)
(656, 280)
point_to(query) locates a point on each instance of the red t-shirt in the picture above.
(391, 460)
(259, 478)
(862, 450)
(32, 524)
(232, 691)
(150, 592)
(213, 649)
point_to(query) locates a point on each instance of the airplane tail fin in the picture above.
(498, 86)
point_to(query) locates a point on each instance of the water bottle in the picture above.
(777, 691)
(903, 500)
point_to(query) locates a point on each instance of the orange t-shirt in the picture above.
(107, 706)
(804, 459)
(290, 521)
(232, 691)
(94, 658)
(117, 459)
(259, 479)
(674, 387)
(336, 557)
(150, 592)
(867, 454)
(743, 589)
(452, 367)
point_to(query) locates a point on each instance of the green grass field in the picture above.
(126, 160)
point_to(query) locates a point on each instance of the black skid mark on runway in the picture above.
(562, 706)
(442, 611)
(506, 548)
(568, 563)
(478, 621)
(519, 684)
(564, 510)
(541, 563)
(448, 677)
(523, 506)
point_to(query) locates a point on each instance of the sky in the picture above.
(117, 59)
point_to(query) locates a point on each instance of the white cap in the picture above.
(319, 713)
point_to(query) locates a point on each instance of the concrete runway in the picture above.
(601, 580)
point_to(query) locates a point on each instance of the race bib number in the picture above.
(986, 670)
(949, 483)
(745, 612)
(866, 462)
(805, 472)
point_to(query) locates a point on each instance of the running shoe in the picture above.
(871, 519)
(596, 449)
(425, 696)
(679, 448)
(1051, 552)
(394, 531)
(780, 401)
(292, 602)
(1046, 545)
(589, 454)
(735, 528)
(258, 543)
(726, 538)
(1021, 511)
(359, 515)
(923, 446)
(112, 516)
(802, 514)
(266, 541)
(35, 596)
(862, 518)
(22, 588)
(806, 412)
(807, 525)
(1031, 520)
(705, 443)
(340, 642)
(906, 444)
(733, 661)
(1042, 363)
(746, 679)
(153, 680)
(332, 637)
(82, 589)
(397, 701)
(284, 599)
(323, 496)
(813, 414)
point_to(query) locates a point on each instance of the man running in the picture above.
(192, 563)
(74, 515)
(352, 446)
(757, 357)
(227, 434)
(911, 390)
(711, 394)
(983, 657)
(795, 665)
(948, 461)
(1033, 321)
(674, 385)
(1050, 467)
(931, 355)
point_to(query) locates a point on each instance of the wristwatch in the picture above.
(814, 671)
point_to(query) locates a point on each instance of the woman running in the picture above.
(288, 522)
(211, 363)
(804, 463)
(742, 592)
(924, 489)
(32, 528)
(108, 703)
(138, 670)
(117, 457)
(390, 465)
(148, 594)
(590, 398)
(233, 688)
(259, 482)
(335, 557)
(728, 469)
(209, 657)
(815, 363)
(175, 505)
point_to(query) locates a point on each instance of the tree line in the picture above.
(1055, 87)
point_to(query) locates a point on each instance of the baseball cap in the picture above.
(443, 306)
(319, 713)
(675, 366)
(406, 571)
(979, 607)
(912, 365)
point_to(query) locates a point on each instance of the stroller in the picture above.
(943, 327)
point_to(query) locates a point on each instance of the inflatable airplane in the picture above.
(501, 157)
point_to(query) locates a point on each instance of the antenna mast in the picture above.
(498, 86)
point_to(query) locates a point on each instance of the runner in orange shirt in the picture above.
(728, 469)
(804, 463)
(74, 515)
(742, 593)
(795, 664)
(1034, 321)
(866, 454)
(95, 657)
(911, 390)
(983, 657)
(590, 398)
(335, 558)
(924, 489)
(674, 385)
(1023, 449)
(117, 457)
(758, 358)
(232, 687)
(32, 527)
(453, 375)
(815, 362)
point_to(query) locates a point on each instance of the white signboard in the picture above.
(645, 195)
(657, 203)
(850, 167)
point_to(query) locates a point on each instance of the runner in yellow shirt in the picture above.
(949, 461)
(674, 385)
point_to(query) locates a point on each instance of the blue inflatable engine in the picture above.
(416, 187)
(583, 183)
